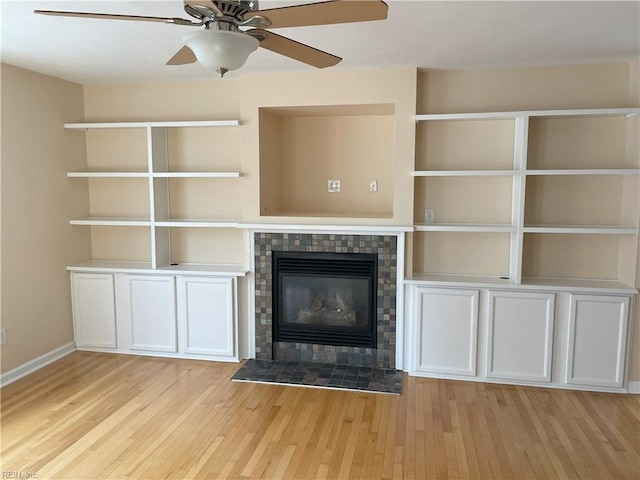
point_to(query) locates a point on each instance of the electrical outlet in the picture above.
(333, 186)
(429, 215)
(373, 185)
(3, 336)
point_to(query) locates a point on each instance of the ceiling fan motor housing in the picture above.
(232, 10)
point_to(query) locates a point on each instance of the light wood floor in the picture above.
(91, 416)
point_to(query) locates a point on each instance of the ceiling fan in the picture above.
(233, 29)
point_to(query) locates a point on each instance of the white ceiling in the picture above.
(424, 34)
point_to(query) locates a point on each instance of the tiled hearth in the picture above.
(385, 246)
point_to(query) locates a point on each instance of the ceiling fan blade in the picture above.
(324, 13)
(292, 49)
(182, 57)
(110, 16)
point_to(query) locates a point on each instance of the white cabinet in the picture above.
(520, 336)
(447, 322)
(94, 315)
(206, 316)
(150, 313)
(170, 315)
(597, 340)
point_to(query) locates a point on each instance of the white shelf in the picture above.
(109, 266)
(464, 173)
(464, 227)
(92, 125)
(154, 174)
(581, 229)
(531, 113)
(587, 171)
(196, 174)
(530, 283)
(521, 232)
(205, 123)
(112, 221)
(108, 174)
(184, 223)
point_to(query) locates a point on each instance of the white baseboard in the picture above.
(36, 364)
(634, 387)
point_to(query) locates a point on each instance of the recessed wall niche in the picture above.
(302, 148)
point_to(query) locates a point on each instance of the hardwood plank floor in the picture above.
(104, 416)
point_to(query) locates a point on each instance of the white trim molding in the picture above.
(634, 388)
(36, 364)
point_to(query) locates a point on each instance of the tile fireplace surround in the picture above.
(385, 246)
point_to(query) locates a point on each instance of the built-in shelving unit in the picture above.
(562, 185)
(165, 175)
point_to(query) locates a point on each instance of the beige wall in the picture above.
(353, 149)
(527, 88)
(395, 87)
(37, 202)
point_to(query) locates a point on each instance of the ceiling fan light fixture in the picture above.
(221, 50)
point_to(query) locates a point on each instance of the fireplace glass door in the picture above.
(325, 298)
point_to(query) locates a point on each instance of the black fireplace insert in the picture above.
(325, 298)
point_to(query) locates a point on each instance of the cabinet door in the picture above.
(151, 311)
(206, 315)
(447, 323)
(597, 340)
(94, 314)
(520, 336)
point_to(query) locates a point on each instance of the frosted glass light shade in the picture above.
(220, 49)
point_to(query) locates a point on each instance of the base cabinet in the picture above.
(206, 316)
(94, 315)
(162, 315)
(521, 336)
(446, 330)
(151, 313)
(597, 340)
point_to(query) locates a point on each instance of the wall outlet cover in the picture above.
(333, 186)
(429, 215)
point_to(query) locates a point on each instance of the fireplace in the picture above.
(325, 298)
(382, 353)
